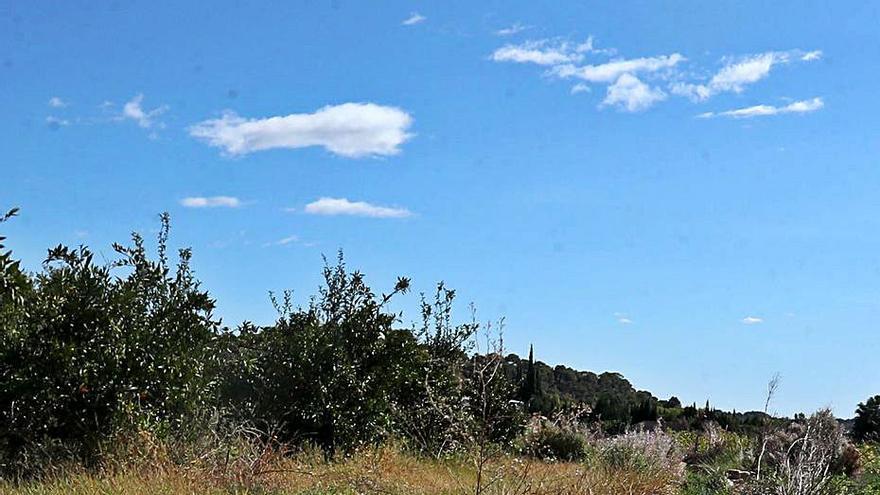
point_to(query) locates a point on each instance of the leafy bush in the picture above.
(550, 441)
(866, 427)
(87, 353)
(328, 373)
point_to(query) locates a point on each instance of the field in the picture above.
(383, 470)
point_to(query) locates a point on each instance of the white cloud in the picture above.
(752, 320)
(351, 130)
(622, 318)
(540, 52)
(811, 56)
(741, 72)
(611, 71)
(803, 106)
(284, 241)
(56, 122)
(145, 118)
(56, 102)
(588, 47)
(414, 18)
(342, 206)
(631, 94)
(510, 31)
(580, 88)
(211, 202)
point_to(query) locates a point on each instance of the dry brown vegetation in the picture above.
(382, 470)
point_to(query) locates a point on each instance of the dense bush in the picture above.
(87, 353)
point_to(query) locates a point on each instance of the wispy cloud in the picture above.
(611, 71)
(55, 123)
(511, 30)
(752, 320)
(351, 129)
(284, 241)
(623, 319)
(811, 56)
(580, 88)
(803, 106)
(738, 73)
(636, 84)
(342, 206)
(133, 110)
(540, 52)
(414, 18)
(57, 102)
(211, 202)
(632, 95)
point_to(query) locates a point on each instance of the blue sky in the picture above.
(685, 193)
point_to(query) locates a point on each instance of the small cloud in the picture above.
(56, 123)
(284, 241)
(211, 202)
(580, 88)
(132, 110)
(752, 320)
(81, 234)
(351, 130)
(413, 19)
(342, 206)
(803, 106)
(56, 102)
(612, 71)
(540, 52)
(510, 31)
(632, 95)
(623, 319)
(811, 56)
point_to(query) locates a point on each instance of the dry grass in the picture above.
(384, 470)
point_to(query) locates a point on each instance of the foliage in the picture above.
(866, 427)
(565, 438)
(328, 373)
(94, 352)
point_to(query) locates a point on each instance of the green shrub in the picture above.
(558, 443)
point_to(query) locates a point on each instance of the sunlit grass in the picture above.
(384, 470)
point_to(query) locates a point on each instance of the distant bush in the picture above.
(550, 441)
(649, 451)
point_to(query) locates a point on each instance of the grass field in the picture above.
(377, 471)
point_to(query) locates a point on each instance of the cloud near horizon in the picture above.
(352, 130)
(342, 206)
(211, 202)
(752, 320)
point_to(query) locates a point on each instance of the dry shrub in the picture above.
(802, 458)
